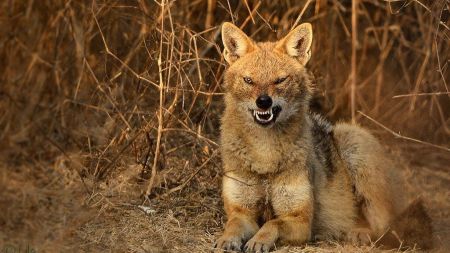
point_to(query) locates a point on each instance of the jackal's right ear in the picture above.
(236, 42)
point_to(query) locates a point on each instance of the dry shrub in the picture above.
(116, 104)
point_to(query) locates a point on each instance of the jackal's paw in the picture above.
(258, 246)
(228, 243)
(359, 236)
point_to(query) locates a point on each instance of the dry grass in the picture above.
(110, 111)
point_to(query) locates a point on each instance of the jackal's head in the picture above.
(267, 82)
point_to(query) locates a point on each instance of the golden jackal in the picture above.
(289, 175)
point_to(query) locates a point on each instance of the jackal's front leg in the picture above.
(290, 229)
(240, 197)
(293, 205)
(240, 227)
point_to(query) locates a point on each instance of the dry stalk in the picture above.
(353, 74)
(300, 15)
(160, 111)
(403, 137)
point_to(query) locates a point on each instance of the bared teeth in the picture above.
(262, 113)
(258, 113)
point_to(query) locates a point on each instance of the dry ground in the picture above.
(47, 207)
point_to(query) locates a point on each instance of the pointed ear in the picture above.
(297, 43)
(236, 42)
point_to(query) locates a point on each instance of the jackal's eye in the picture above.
(280, 80)
(248, 80)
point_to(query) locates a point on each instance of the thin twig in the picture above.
(160, 112)
(422, 94)
(397, 135)
(182, 185)
(353, 67)
(249, 11)
(299, 17)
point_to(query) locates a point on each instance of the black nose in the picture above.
(264, 102)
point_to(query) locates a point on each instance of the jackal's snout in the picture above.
(267, 111)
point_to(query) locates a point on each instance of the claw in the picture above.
(228, 244)
(256, 247)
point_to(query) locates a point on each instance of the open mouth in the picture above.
(267, 117)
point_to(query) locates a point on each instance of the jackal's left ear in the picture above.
(236, 42)
(298, 43)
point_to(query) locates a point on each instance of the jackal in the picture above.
(289, 175)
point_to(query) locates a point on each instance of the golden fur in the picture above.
(298, 178)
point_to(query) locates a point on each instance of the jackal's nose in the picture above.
(264, 102)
